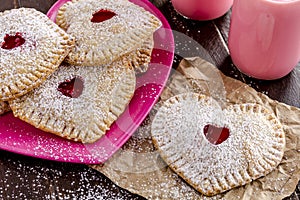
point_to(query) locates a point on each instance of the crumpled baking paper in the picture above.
(138, 167)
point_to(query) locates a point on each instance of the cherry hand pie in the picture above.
(105, 30)
(32, 48)
(78, 103)
(215, 150)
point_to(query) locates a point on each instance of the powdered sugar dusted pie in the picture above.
(32, 48)
(78, 103)
(215, 150)
(105, 29)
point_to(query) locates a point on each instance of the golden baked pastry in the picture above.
(105, 30)
(32, 48)
(215, 150)
(78, 103)
(4, 107)
(140, 59)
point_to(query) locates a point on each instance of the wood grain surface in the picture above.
(23, 177)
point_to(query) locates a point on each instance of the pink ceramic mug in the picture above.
(202, 9)
(264, 37)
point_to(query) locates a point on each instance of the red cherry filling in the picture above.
(71, 88)
(215, 135)
(12, 41)
(102, 15)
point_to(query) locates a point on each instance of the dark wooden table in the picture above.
(23, 177)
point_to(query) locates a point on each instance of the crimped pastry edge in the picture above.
(222, 186)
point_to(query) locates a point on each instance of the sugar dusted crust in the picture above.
(141, 57)
(106, 93)
(27, 66)
(102, 43)
(254, 148)
(4, 107)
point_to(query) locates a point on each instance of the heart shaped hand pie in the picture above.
(31, 48)
(78, 103)
(105, 30)
(251, 145)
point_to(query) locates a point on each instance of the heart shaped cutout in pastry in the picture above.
(102, 15)
(214, 134)
(254, 146)
(12, 41)
(72, 87)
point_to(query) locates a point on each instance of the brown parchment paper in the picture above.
(138, 167)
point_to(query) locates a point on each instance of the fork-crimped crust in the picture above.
(254, 148)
